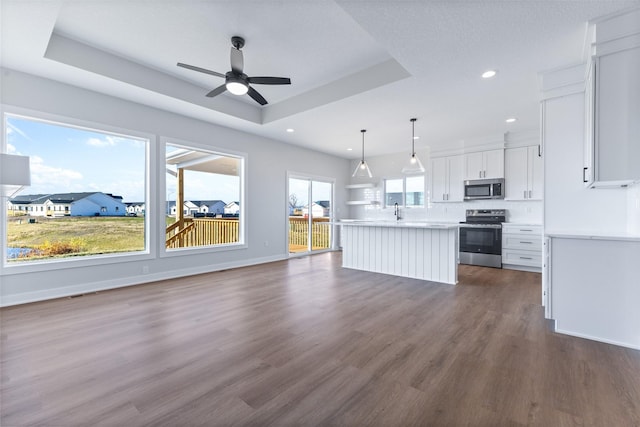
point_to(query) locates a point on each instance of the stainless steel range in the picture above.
(481, 237)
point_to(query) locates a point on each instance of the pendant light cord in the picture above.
(363, 131)
(413, 137)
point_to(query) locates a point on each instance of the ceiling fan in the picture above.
(236, 81)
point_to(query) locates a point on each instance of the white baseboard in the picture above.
(28, 297)
(635, 346)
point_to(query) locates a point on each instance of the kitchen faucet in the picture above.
(396, 211)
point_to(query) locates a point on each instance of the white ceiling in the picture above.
(353, 64)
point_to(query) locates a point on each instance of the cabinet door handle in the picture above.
(539, 151)
(479, 174)
(525, 257)
(525, 194)
(529, 193)
(528, 243)
(525, 230)
(584, 172)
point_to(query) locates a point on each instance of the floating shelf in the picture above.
(365, 185)
(363, 202)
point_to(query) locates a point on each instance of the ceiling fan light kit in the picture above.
(414, 165)
(362, 169)
(236, 81)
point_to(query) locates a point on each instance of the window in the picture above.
(92, 173)
(209, 186)
(393, 192)
(414, 191)
(408, 191)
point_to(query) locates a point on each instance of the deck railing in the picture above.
(190, 232)
(299, 233)
(202, 232)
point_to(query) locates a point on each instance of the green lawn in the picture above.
(84, 235)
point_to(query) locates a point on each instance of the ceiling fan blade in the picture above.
(200, 70)
(270, 80)
(256, 96)
(217, 91)
(237, 60)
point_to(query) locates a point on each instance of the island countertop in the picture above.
(400, 224)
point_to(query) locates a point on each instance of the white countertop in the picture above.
(400, 224)
(593, 236)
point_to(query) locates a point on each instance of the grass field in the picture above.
(73, 236)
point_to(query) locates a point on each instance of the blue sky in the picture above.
(66, 159)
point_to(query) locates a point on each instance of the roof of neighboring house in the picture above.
(134, 204)
(207, 202)
(324, 203)
(231, 203)
(57, 197)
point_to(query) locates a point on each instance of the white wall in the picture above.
(268, 163)
(390, 166)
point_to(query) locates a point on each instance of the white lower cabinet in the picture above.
(522, 247)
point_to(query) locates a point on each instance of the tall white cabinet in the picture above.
(523, 168)
(447, 179)
(613, 103)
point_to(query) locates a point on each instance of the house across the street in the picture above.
(67, 204)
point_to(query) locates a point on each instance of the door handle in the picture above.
(584, 171)
(525, 194)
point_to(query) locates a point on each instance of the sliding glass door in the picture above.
(309, 211)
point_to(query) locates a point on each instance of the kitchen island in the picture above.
(419, 250)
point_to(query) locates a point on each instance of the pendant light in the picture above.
(414, 165)
(362, 169)
(14, 174)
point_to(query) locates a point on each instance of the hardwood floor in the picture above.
(305, 342)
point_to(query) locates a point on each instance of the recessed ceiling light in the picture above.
(511, 120)
(416, 137)
(488, 74)
(290, 130)
(349, 149)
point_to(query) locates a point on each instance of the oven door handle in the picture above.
(480, 225)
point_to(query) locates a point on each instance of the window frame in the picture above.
(404, 191)
(150, 238)
(161, 208)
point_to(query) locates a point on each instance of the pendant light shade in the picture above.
(362, 169)
(14, 174)
(414, 165)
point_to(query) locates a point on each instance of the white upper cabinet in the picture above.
(447, 179)
(523, 171)
(484, 164)
(613, 122)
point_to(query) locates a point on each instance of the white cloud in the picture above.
(111, 140)
(52, 177)
(12, 128)
(107, 141)
(11, 149)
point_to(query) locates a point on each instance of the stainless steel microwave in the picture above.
(475, 189)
